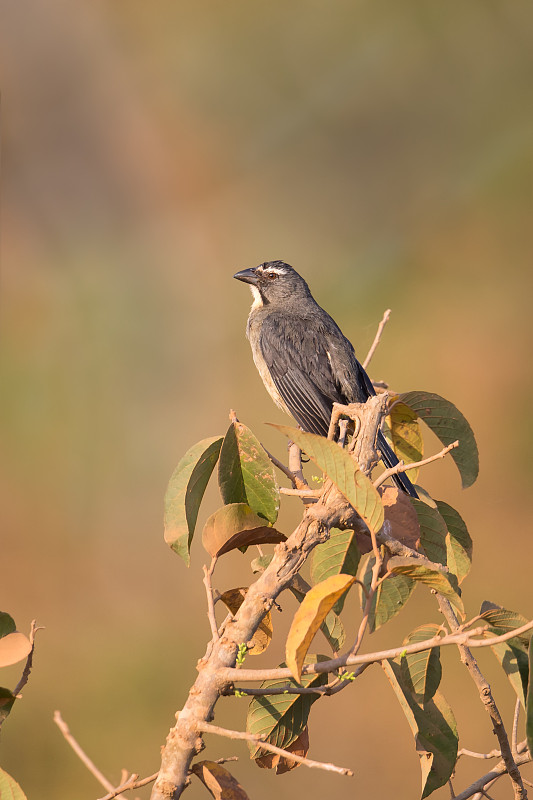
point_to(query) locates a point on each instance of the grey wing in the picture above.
(353, 382)
(295, 353)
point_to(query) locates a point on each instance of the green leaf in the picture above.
(282, 717)
(245, 473)
(434, 728)
(333, 630)
(9, 788)
(456, 526)
(236, 525)
(406, 437)
(332, 627)
(447, 422)
(457, 559)
(529, 704)
(185, 492)
(513, 653)
(7, 624)
(501, 620)
(391, 596)
(425, 496)
(339, 554)
(7, 700)
(260, 563)
(422, 672)
(458, 542)
(337, 464)
(441, 582)
(432, 531)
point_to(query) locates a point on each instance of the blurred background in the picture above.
(149, 150)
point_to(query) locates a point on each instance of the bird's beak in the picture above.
(247, 275)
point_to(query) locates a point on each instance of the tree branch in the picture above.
(473, 754)
(401, 467)
(183, 741)
(514, 736)
(459, 638)
(133, 782)
(499, 770)
(29, 661)
(206, 727)
(377, 338)
(210, 601)
(82, 755)
(488, 701)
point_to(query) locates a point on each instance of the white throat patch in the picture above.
(256, 294)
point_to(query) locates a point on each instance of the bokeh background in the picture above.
(149, 150)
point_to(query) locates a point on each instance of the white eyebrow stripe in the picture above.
(277, 270)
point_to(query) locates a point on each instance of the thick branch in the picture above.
(487, 699)
(183, 741)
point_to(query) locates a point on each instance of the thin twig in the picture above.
(462, 638)
(401, 467)
(29, 661)
(206, 727)
(377, 338)
(474, 754)
(281, 466)
(333, 687)
(514, 735)
(82, 755)
(210, 601)
(375, 582)
(450, 787)
(488, 701)
(133, 782)
(495, 773)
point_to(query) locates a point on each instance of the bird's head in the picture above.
(273, 282)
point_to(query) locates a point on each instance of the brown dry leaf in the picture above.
(399, 511)
(300, 747)
(315, 606)
(13, 648)
(220, 783)
(236, 525)
(232, 599)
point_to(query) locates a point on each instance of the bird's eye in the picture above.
(271, 275)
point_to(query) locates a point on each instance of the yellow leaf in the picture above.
(315, 606)
(406, 436)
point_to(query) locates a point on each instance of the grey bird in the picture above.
(303, 358)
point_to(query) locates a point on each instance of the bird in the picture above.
(305, 361)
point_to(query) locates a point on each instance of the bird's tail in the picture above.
(390, 460)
